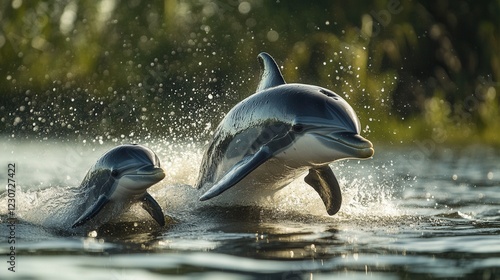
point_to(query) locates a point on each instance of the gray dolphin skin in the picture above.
(118, 179)
(279, 133)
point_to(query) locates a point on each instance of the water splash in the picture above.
(367, 192)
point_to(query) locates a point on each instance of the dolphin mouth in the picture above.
(358, 146)
(148, 172)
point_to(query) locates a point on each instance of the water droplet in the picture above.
(244, 7)
(272, 36)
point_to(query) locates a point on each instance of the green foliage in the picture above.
(113, 69)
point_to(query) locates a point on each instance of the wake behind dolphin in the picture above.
(278, 133)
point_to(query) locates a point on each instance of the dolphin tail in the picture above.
(153, 208)
(92, 211)
(271, 74)
(324, 182)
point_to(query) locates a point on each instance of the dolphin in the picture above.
(279, 133)
(118, 179)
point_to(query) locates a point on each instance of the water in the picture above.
(407, 214)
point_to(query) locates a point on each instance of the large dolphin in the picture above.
(280, 132)
(118, 179)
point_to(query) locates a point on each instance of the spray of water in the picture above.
(367, 190)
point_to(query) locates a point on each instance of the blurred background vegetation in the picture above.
(118, 69)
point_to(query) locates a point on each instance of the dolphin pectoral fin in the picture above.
(324, 182)
(153, 208)
(238, 172)
(271, 74)
(92, 211)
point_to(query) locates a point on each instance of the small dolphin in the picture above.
(119, 178)
(280, 132)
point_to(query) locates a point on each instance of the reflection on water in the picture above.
(403, 216)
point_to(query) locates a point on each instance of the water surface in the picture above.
(408, 213)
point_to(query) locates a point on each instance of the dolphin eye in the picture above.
(114, 173)
(298, 128)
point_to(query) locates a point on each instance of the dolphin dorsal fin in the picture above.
(271, 74)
